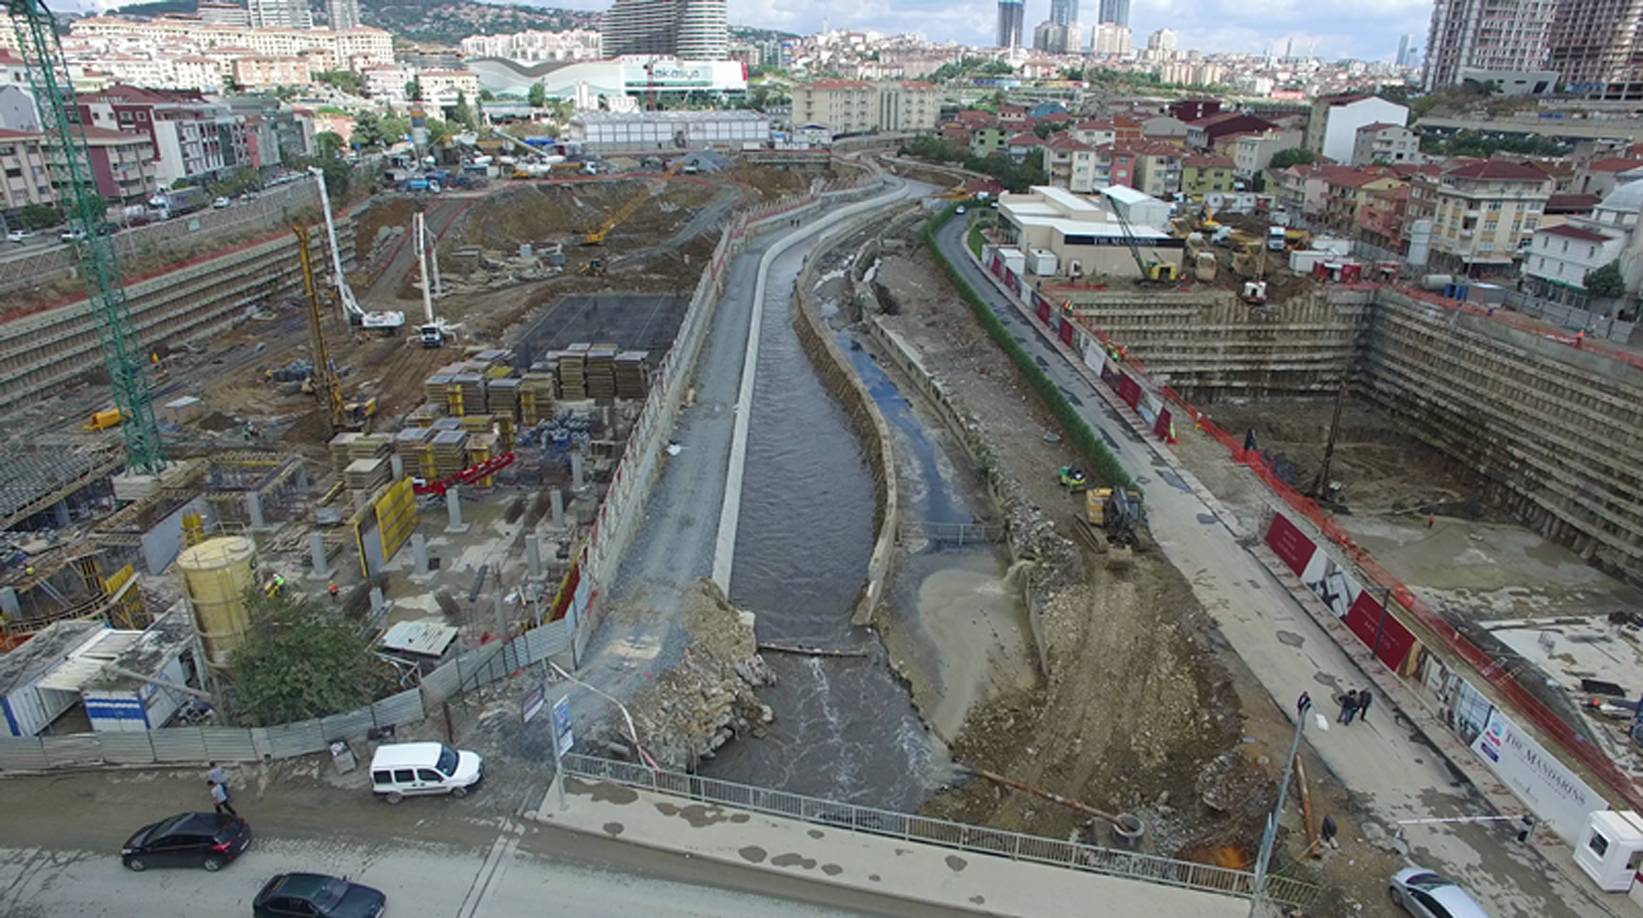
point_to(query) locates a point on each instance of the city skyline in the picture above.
(1332, 29)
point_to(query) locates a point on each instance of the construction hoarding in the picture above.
(1542, 782)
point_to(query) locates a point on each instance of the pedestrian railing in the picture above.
(959, 534)
(1114, 862)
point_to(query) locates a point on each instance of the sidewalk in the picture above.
(943, 877)
(1276, 626)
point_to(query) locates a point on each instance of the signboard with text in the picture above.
(1557, 796)
(563, 738)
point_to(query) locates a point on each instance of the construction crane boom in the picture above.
(87, 212)
(345, 294)
(327, 385)
(597, 237)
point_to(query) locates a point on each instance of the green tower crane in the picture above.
(42, 52)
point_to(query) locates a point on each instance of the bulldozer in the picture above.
(1112, 524)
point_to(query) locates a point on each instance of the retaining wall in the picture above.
(1552, 431)
(47, 349)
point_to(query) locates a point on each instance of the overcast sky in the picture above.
(1340, 28)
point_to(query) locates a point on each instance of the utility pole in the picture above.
(1270, 837)
(1320, 487)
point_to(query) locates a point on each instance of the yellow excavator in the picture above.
(597, 236)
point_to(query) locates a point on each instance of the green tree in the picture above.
(327, 143)
(1294, 156)
(1045, 128)
(413, 90)
(562, 110)
(180, 184)
(301, 660)
(1606, 281)
(485, 95)
(370, 131)
(40, 216)
(345, 80)
(538, 96)
(461, 113)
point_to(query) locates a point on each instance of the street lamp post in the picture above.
(633, 734)
(1380, 626)
(1270, 837)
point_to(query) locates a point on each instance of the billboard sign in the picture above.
(563, 738)
(1543, 783)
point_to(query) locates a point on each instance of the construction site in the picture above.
(505, 414)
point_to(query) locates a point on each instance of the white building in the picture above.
(1110, 38)
(1333, 128)
(352, 49)
(617, 80)
(535, 47)
(1161, 40)
(445, 88)
(344, 14)
(1079, 236)
(1560, 257)
(280, 14)
(646, 131)
(1382, 144)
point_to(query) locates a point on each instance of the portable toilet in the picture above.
(1611, 849)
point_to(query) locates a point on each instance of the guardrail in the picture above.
(1130, 865)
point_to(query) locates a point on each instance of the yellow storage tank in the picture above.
(216, 573)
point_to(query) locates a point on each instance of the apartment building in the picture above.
(191, 138)
(1071, 165)
(859, 106)
(352, 49)
(1383, 218)
(1332, 130)
(1560, 257)
(690, 30)
(1157, 169)
(1483, 213)
(1383, 144)
(1253, 153)
(535, 47)
(250, 73)
(1597, 43)
(123, 164)
(1201, 175)
(1485, 35)
(1349, 191)
(445, 88)
(26, 165)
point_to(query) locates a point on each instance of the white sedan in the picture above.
(1425, 894)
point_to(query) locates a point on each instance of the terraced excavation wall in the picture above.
(47, 349)
(1554, 432)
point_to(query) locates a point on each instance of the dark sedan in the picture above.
(313, 894)
(207, 840)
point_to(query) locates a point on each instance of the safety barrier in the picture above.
(481, 666)
(1054, 852)
(1402, 601)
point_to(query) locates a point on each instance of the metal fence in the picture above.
(911, 827)
(1570, 317)
(959, 534)
(484, 665)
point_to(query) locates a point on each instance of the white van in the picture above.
(400, 770)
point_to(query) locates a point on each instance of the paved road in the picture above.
(435, 857)
(1389, 766)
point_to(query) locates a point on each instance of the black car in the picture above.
(314, 895)
(207, 840)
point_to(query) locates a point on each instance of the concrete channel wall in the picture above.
(45, 350)
(1554, 432)
(869, 425)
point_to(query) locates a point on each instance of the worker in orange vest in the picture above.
(333, 590)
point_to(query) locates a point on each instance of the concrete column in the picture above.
(576, 469)
(8, 603)
(419, 545)
(316, 549)
(302, 475)
(453, 509)
(501, 613)
(558, 498)
(533, 556)
(253, 509)
(60, 512)
(379, 606)
(362, 499)
(397, 465)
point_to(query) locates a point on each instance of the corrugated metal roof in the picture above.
(425, 638)
(86, 663)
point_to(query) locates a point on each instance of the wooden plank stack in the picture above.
(536, 398)
(340, 457)
(601, 371)
(632, 376)
(573, 381)
(449, 449)
(366, 474)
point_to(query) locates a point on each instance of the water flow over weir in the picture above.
(846, 728)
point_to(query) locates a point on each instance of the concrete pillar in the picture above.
(8, 603)
(302, 475)
(501, 613)
(316, 549)
(419, 545)
(362, 499)
(253, 509)
(453, 509)
(576, 469)
(533, 556)
(396, 465)
(60, 512)
(379, 606)
(558, 498)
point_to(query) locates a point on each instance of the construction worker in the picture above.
(332, 588)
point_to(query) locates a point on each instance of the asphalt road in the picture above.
(1387, 764)
(433, 857)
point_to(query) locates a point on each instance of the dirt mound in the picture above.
(216, 422)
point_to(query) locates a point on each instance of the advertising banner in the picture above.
(1331, 583)
(1365, 620)
(1290, 544)
(1560, 799)
(1094, 358)
(1129, 390)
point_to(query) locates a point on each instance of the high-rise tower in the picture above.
(1063, 12)
(1116, 11)
(692, 30)
(1012, 15)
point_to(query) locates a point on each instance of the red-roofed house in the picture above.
(1382, 215)
(1126, 130)
(1115, 165)
(975, 117)
(1483, 212)
(1157, 168)
(1350, 190)
(1095, 133)
(1203, 133)
(1018, 146)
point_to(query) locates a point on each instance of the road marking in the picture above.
(491, 872)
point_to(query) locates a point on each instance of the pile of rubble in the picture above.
(708, 699)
